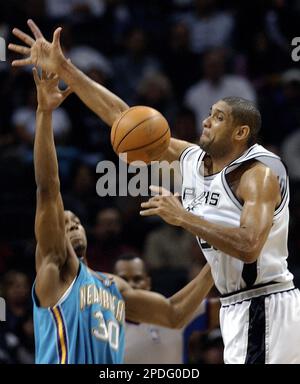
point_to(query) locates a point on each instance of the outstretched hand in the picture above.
(39, 51)
(165, 204)
(48, 94)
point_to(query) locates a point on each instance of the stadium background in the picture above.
(177, 56)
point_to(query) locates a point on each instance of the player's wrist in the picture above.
(64, 67)
(183, 219)
(41, 109)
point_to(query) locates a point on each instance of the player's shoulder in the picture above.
(257, 170)
(190, 152)
(258, 180)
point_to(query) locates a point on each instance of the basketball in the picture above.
(142, 133)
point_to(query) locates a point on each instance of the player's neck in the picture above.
(220, 162)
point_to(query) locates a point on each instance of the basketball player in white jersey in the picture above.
(153, 344)
(235, 200)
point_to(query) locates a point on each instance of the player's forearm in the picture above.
(45, 159)
(187, 300)
(100, 100)
(235, 241)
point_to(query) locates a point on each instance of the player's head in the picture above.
(233, 121)
(133, 269)
(76, 233)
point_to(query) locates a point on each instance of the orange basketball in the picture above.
(142, 133)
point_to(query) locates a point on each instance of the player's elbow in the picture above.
(48, 190)
(250, 251)
(177, 319)
(248, 246)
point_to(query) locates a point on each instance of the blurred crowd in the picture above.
(178, 56)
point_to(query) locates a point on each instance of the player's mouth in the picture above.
(205, 132)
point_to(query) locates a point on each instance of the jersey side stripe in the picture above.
(61, 335)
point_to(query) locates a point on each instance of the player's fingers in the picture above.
(35, 76)
(21, 62)
(150, 212)
(56, 36)
(19, 49)
(160, 190)
(53, 79)
(52, 75)
(43, 75)
(156, 198)
(35, 29)
(23, 36)
(150, 204)
(178, 196)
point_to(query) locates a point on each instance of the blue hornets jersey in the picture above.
(86, 326)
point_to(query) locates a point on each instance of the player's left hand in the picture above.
(49, 95)
(165, 204)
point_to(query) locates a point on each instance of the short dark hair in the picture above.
(131, 256)
(245, 112)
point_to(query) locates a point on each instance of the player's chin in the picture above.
(77, 242)
(204, 142)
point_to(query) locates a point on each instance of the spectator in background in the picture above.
(90, 133)
(155, 90)
(209, 27)
(281, 113)
(215, 85)
(133, 65)
(152, 344)
(23, 120)
(16, 334)
(179, 62)
(206, 348)
(80, 195)
(164, 250)
(107, 243)
(59, 10)
(184, 126)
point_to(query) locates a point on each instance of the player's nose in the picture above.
(74, 226)
(206, 123)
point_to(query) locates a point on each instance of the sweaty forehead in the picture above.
(71, 216)
(222, 106)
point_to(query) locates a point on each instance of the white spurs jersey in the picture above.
(212, 198)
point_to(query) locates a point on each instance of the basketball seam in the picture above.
(146, 145)
(129, 109)
(141, 122)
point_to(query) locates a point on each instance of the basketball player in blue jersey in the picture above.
(235, 199)
(78, 313)
(154, 344)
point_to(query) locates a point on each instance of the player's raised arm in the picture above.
(51, 250)
(49, 57)
(99, 99)
(150, 307)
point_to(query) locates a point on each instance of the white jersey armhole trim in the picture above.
(235, 200)
(184, 153)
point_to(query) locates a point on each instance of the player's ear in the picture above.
(241, 133)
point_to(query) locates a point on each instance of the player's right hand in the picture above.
(39, 51)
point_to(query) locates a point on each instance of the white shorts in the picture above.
(259, 327)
